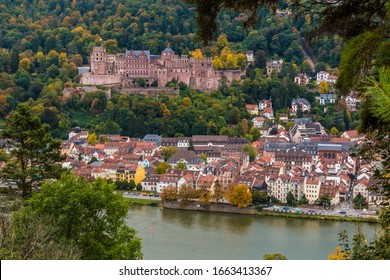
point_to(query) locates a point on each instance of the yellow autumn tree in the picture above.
(224, 53)
(40, 58)
(139, 175)
(169, 194)
(62, 58)
(337, 255)
(217, 63)
(52, 55)
(197, 54)
(241, 60)
(324, 87)
(231, 61)
(24, 64)
(165, 111)
(222, 41)
(92, 139)
(239, 195)
(187, 102)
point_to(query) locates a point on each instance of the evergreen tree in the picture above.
(35, 156)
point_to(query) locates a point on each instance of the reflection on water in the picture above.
(209, 222)
(176, 234)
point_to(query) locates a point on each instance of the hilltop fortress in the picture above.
(127, 69)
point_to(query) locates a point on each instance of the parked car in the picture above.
(285, 208)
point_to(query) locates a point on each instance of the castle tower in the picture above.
(98, 61)
(167, 54)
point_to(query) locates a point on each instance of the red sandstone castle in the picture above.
(126, 69)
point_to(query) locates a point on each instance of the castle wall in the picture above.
(95, 79)
(133, 82)
(151, 92)
(180, 75)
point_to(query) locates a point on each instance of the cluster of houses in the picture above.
(263, 111)
(304, 161)
(303, 79)
(315, 166)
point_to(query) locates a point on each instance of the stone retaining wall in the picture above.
(223, 208)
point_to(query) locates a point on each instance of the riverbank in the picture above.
(226, 208)
(138, 201)
(319, 217)
(213, 207)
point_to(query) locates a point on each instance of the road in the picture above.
(342, 210)
(134, 195)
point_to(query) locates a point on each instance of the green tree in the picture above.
(359, 200)
(334, 131)
(29, 237)
(141, 82)
(181, 165)
(377, 96)
(239, 195)
(256, 196)
(204, 157)
(303, 200)
(168, 152)
(306, 67)
(132, 185)
(36, 155)
(290, 198)
(89, 215)
(53, 71)
(4, 60)
(252, 152)
(207, 12)
(255, 132)
(93, 159)
(161, 167)
(274, 130)
(324, 199)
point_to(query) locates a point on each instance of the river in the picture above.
(187, 235)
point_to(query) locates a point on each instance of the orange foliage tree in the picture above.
(239, 195)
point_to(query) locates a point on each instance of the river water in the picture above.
(187, 235)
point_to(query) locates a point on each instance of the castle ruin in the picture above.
(126, 69)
